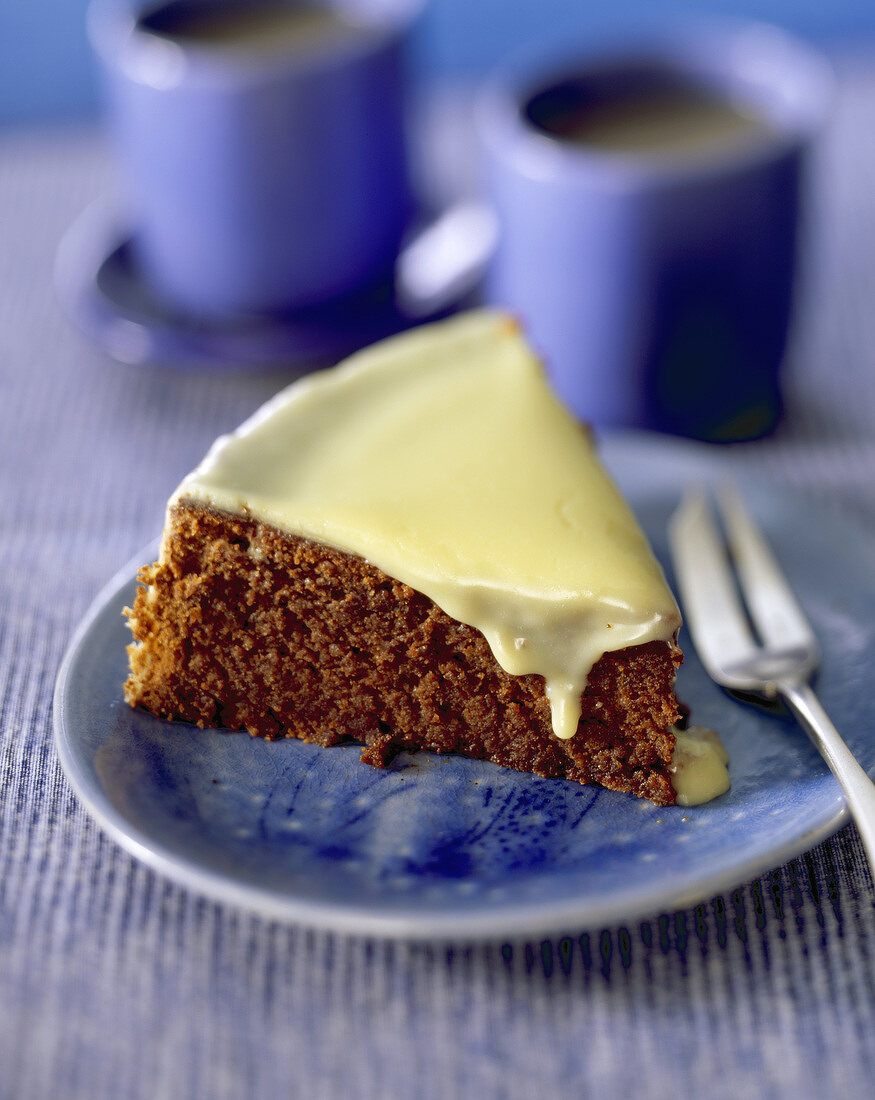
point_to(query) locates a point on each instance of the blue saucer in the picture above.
(100, 289)
(442, 847)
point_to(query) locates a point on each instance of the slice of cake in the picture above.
(417, 550)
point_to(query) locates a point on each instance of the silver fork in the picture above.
(780, 663)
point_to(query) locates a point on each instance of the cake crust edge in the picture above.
(242, 626)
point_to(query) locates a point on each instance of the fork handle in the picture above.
(858, 787)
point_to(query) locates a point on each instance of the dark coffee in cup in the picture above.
(270, 25)
(643, 111)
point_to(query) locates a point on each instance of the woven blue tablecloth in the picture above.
(115, 983)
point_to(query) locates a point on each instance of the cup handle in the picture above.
(446, 259)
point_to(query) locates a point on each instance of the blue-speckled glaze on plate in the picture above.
(457, 849)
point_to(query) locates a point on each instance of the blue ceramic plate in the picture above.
(457, 849)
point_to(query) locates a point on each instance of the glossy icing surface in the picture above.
(443, 457)
(699, 766)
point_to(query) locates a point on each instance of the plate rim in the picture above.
(509, 921)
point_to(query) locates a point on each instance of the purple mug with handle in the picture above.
(261, 145)
(653, 267)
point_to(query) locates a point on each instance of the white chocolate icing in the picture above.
(698, 766)
(443, 457)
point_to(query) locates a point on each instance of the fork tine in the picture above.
(713, 612)
(773, 607)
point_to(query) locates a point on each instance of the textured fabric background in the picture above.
(114, 983)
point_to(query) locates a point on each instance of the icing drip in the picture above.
(698, 766)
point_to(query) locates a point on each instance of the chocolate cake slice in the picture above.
(417, 550)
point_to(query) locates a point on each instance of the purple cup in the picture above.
(263, 177)
(657, 287)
